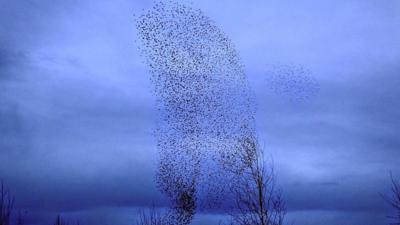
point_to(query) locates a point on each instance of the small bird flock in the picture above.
(293, 82)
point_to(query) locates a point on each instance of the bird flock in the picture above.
(205, 130)
(293, 82)
(205, 107)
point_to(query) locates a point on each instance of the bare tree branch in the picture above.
(257, 201)
(394, 200)
(152, 216)
(6, 205)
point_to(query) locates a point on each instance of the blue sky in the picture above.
(77, 110)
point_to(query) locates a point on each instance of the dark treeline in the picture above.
(257, 203)
(6, 205)
(11, 215)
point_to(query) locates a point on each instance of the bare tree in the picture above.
(6, 205)
(152, 216)
(394, 200)
(20, 219)
(257, 201)
(62, 221)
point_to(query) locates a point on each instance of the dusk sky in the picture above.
(77, 110)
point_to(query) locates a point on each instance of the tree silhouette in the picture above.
(20, 218)
(62, 221)
(150, 217)
(257, 201)
(394, 200)
(6, 205)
